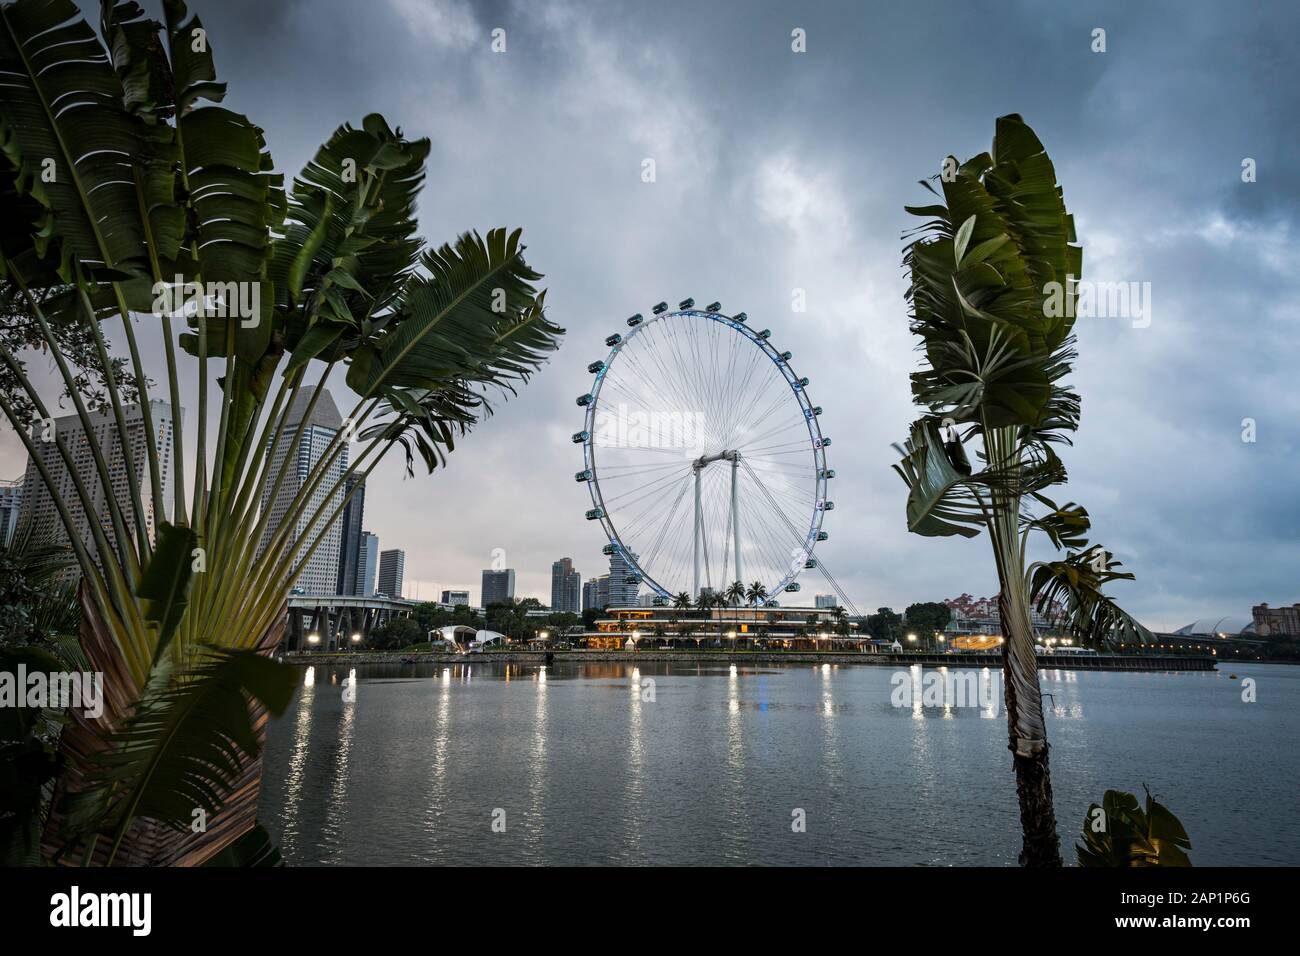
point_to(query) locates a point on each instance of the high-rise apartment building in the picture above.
(392, 567)
(624, 582)
(566, 587)
(11, 504)
(595, 593)
(367, 565)
(303, 445)
(826, 600)
(455, 597)
(350, 534)
(38, 504)
(498, 586)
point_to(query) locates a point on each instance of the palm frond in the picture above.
(941, 501)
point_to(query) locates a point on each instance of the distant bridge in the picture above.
(329, 622)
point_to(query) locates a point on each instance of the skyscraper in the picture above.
(392, 566)
(623, 580)
(826, 600)
(367, 565)
(595, 593)
(566, 587)
(302, 446)
(38, 505)
(11, 503)
(455, 597)
(350, 535)
(498, 586)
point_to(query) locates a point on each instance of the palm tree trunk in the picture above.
(1028, 733)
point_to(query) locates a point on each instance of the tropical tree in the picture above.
(681, 601)
(756, 594)
(736, 593)
(992, 290)
(840, 621)
(927, 617)
(703, 603)
(885, 624)
(38, 605)
(129, 198)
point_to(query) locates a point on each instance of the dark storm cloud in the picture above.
(780, 171)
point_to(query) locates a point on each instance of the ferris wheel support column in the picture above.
(698, 522)
(735, 514)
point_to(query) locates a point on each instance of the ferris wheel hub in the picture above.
(732, 456)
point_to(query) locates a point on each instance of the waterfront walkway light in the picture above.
(313, 638)
(356, 638)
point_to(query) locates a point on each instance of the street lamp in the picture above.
(313, 638)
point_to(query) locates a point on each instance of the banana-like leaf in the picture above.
(187, 743)
(1076, 584)
(940, 499)
(350, 241)
(1066, 525)
(164, 587)
(1118, 833)
(73, 145)
(477, 320)
(979, 270)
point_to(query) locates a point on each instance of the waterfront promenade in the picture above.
(1098, 662)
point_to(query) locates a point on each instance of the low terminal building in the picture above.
(786, 628)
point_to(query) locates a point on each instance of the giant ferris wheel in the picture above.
(704, 457)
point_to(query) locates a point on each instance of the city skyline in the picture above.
(1205, 519)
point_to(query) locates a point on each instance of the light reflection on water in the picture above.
(590, 767)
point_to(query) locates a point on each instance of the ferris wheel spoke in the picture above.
(754, 421)
(741, 396)
(651, 553)
(671, 479)
(778, 430)
(654, 498)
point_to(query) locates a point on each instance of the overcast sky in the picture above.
(779, 171)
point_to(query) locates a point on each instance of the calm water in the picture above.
(710, 771)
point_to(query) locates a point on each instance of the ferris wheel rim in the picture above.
(793, 381)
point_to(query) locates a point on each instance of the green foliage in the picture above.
(885, 625)
(155, 181)
(36, 604)
(29, 759)
(989, 268)
(927, 617)
(396, 633)
(184, 746)
(1119, 833)
(164, 588)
